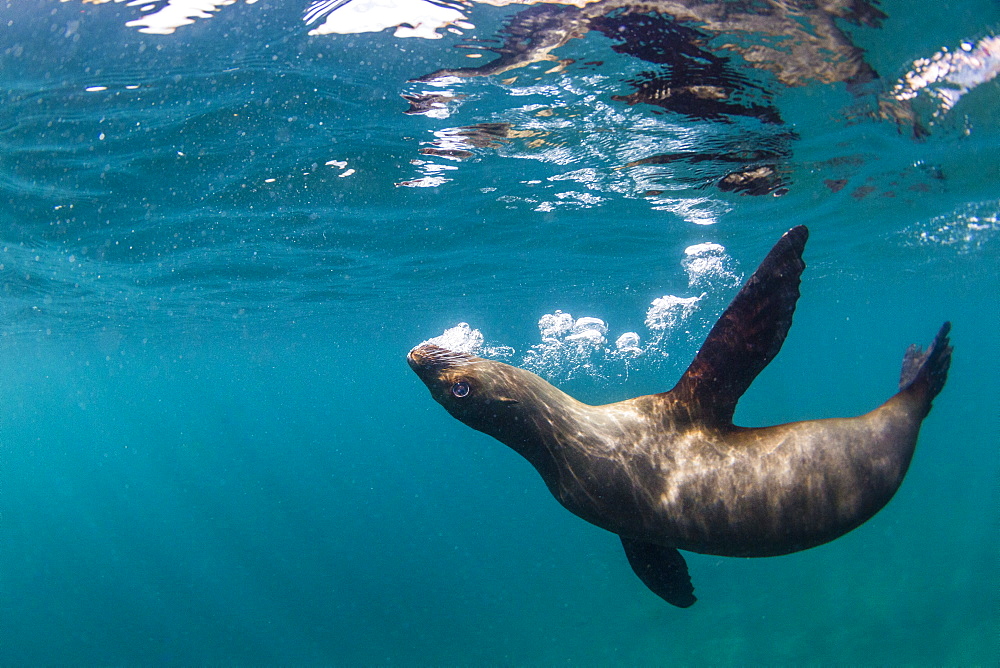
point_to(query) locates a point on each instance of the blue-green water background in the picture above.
(213, 452)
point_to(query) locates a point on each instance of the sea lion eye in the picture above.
(460, 389)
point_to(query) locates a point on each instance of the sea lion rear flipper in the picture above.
(925, 372)
(748, 334)
(662, 569)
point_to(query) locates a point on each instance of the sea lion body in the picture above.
(670, 471)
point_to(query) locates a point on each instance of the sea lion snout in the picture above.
(429, 357)
(420, 360)
(415, 358)
(429, 361)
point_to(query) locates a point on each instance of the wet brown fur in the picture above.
(671, 471)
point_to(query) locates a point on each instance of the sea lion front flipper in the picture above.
(662, 569)
(748, 334)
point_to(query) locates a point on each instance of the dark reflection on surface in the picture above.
(798, 41)
(714, 62)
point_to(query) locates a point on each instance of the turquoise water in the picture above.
(212, 450)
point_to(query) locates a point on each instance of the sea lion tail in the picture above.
(925, 372)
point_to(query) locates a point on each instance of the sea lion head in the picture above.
(480, 393)
(491, 397)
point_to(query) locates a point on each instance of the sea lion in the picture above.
(670, 471)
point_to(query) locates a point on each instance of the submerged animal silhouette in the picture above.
(670, 471)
